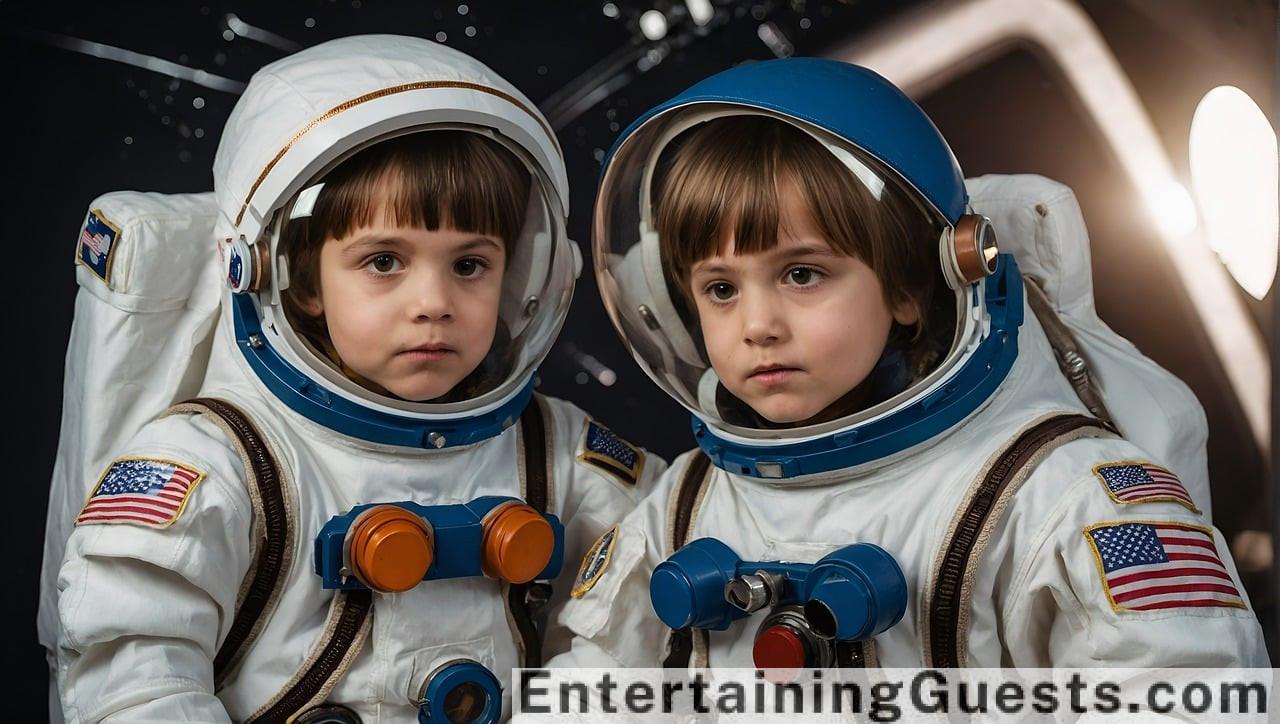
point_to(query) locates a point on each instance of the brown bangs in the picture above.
(715, 187)
(722, 182)
(430, 180)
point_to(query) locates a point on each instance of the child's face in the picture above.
(411, 310)
(794, 328)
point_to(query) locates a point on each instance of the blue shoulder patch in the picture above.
(97, 242)
(605, 450)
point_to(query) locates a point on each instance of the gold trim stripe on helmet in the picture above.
(420, 85)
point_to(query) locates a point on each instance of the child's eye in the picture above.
(470, 267)
(720, 291)
(803, 276)
(383, 263)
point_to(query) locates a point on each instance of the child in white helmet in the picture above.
(366, 512)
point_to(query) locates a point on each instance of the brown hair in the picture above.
(454, 179)
(722, 179)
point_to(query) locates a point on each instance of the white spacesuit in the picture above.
(154, 578)
(1019, 560)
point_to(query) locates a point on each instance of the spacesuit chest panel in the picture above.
(323, 481)
(918, 514)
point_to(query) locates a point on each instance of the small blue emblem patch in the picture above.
(97, 242)
(594, 563)
(605, 450)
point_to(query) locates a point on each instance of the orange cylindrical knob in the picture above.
(390, 548)
(518, 543)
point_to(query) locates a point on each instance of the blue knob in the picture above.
(855, 592)
(687, 589)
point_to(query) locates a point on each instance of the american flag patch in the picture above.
(97, 240)
(605, 450)
(1138, 482)
(140, 490)
(1147, 566)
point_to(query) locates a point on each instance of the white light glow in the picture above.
(700, 11)
(1233, 170)
(922, 51)
(653, 24)
(1171, 206)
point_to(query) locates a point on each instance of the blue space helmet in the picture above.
(891, 147)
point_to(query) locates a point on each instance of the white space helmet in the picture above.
(891, 147)
(300, 117)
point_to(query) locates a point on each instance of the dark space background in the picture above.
(100, 96)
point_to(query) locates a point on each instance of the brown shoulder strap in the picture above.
(346, 630)
(349, 619)
(680, 642)
(273, 556)
(696, 474)
(945, 635)
(525, 600)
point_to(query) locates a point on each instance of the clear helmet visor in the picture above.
(537, 281)
(645, 287)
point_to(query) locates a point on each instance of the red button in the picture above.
(780, 651)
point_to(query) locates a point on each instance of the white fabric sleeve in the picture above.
(143, 608)
(1067, 604)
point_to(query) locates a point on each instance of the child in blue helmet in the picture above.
(891, 469)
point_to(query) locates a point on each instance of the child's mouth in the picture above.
(772, 375)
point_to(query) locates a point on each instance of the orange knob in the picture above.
(517, 543)
(390, 548)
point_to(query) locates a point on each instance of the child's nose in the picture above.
(431, 299)
(761, 318)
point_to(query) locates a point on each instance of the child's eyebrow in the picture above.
(708, 268)
(779, 253)
(478, 242)
(807, 250)
(380, 238)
